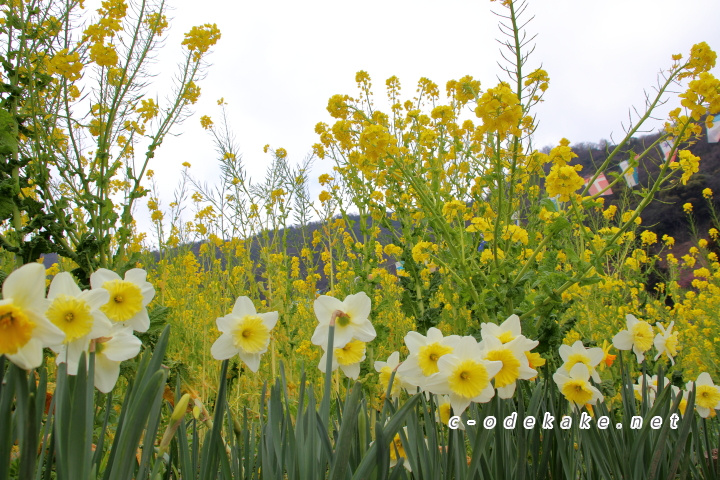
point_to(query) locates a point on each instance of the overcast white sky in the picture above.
(279, 61)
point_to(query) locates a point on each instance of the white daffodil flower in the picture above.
(444, 411)
(707, 396)
(386, 368)
(77, 313)
(515, 365)
(244, 333)
(505, 332)
(464, 375)
(577, 353)
(397, 451)
(110, 352)
(350, 317)
(683, 403)
(651, 384)
(128, 297)
(24, 329)
(576, 387)
(348, 358)
(638, 337)
(666, 342)
(425, 351)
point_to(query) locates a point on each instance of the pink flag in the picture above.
(666, 148)
(598, 185)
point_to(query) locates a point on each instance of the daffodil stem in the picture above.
(325, 405)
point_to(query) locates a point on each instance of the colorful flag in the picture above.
(630, 178)
(713, 134)
(666, 148)
(599, 185)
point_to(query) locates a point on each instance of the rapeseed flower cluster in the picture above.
(199, 39)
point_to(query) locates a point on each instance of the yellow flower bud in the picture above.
(180, 408)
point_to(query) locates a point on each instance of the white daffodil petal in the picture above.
(623, 340)
(459, 404)
(321, 335)
(94, 298)
(63, 284)
(28, 356)
(138, 276)
(414, 340)
(25, 286)
(243, 307)
(507, 391)
(269, 319)
(140, 322)
(252, 360)
(343, 335)
(512, 324)
(102, 276)
(365, 332)
(352, 371)
(122, 346)
(325, 306)
(223, 348)
(580, 371)
(358, 305)
(106, 373)
(225, 324)
(704, 379)
(393, 359)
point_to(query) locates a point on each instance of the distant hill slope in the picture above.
(664, 215)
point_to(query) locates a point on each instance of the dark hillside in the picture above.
(664, 215)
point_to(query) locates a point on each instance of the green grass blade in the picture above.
(27, 425)
(348, 429)
(215, 446)
(685, 427)
(7, 394)
(99, 448)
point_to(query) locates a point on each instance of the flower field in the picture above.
(453, 297)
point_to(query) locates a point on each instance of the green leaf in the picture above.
(348, 428)
(559, 224)
(7, 395)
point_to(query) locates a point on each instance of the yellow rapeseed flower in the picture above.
(648, 238)
(200, 39)
(500, 111)
(206, 122)
(103, 55)
(563, 181)
(66, 64)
